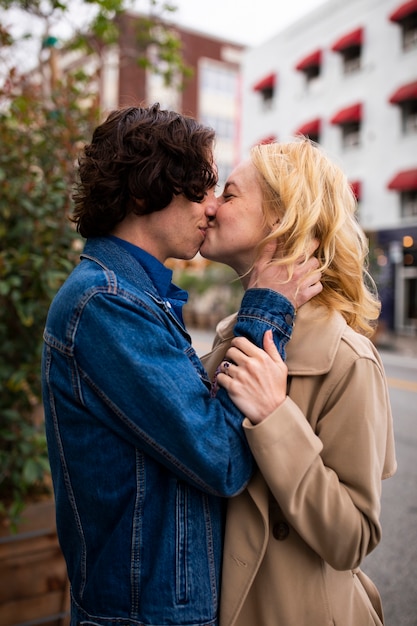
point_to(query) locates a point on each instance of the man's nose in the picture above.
(211, 204)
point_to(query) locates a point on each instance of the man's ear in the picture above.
(136, 206)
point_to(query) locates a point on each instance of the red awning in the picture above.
(268, 139)
(356, 186)
(403, 11)
(355, 38)
(312, 60)
(404, 93)
(350, 114)
(309, 128)
(404, 181)
(265, 83)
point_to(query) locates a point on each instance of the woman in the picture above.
(295, 538)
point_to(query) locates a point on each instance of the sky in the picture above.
(247, 22)
(250, 22)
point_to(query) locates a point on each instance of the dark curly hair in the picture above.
(137, 161)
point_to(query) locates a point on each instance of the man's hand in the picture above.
(303, 285)
(255, 379)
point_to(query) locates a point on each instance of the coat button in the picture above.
(280, 530)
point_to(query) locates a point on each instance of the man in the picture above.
(142, 456)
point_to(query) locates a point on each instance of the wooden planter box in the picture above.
(34, 588)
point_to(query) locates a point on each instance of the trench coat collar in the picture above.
(314, 343)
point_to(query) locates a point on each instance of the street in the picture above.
(393, 564)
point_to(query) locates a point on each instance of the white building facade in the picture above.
(346, 76)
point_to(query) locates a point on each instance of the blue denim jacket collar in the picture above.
(158, 273)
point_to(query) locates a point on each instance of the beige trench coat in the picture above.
(296, 536)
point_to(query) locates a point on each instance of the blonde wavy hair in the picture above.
(305, 197)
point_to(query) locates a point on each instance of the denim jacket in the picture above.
(142, 457)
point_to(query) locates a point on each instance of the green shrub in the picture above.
(39, 246)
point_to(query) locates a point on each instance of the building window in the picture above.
(219, 108)
(224, 126)
(406, 98)
(410, 34)
(406, 17)
(350, 48)
(405, 183)
(351, 136)
(352, 60)
(310, 66)
(409, 204)
(266, 89)
(349, 121)
(217, 78)
(409, 117)
(157, 90)
(267, 97)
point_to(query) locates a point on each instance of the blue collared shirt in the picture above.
(160, 275)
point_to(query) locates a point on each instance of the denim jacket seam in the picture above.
(135, 570)
(67, 348)
(67, 481)
(145, 437)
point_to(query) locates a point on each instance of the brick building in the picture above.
(211, 94)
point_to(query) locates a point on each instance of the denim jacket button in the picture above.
(288, 319)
